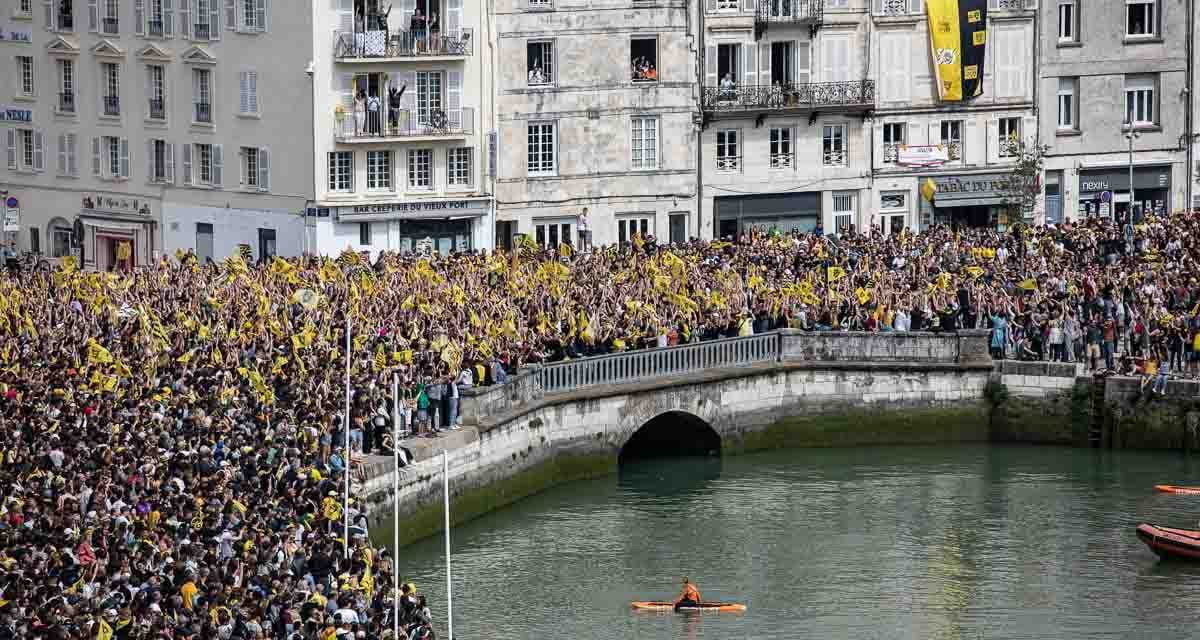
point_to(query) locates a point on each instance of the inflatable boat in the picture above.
(722, 607)
(1170, 543)
(1170, 488)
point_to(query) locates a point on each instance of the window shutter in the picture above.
(214, 20)
(747, 6)
(231, 21)
(39, 151)
(125, 155)
(346, 15)
(72, 166)
(878, 135)
(62, 154)
(93, 16)
(12, 149)
(1029, 130)
(407, 7)
(454, 88)
(260, 7)
(828, 56)
(913, 135)
(139, 17)
(264, 169)
(764, 63)
(168, 18)
(244, 86)
(803, 73)
(217, 164)
(186, 152)
(51, 24)
(993, 141)
(185, 18)
(454, 14)
(96, 166)
(150, 160)
(169, 161)
(935, 132)
(749, 69)
(710, 66)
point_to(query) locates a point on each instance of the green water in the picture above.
(995, 542)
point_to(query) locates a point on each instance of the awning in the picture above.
(946, 203)
(112, 225)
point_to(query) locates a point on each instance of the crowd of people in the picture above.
(173, 435)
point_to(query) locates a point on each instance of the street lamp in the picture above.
(1131, 136)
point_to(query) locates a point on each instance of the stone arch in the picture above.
(671, 433)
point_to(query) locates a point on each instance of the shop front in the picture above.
(783, 212)
(1105, 192)
(115, 232)
(982, 200)
(424, 226)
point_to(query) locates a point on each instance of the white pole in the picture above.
(346, 422)
(449, 583)
(396, 506)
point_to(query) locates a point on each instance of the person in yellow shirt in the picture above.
(188, 591)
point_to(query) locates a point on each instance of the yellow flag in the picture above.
(564, 250)
(97, 354)
(928, 189)
(833, 274)
(975, 271)
(945, 42)
(1029, 284)
(863, 295)
(368, 583)
(103, 631)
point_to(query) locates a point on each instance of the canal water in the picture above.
(945, 542)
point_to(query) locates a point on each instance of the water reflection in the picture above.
(670, 477)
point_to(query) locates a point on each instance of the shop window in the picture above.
(643, 54)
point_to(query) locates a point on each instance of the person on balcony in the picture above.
(394, 106)
(374, 116)
(416, 27)
(434, 29)
(728, 88)
(360, 112)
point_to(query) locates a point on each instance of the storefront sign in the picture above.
(1118, 179)
(923, 155)
(12, 214)
(981, 186)
(15, 114)
(117, 204)
(23, 35)
(450, 207)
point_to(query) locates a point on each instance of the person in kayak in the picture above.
(688, 597)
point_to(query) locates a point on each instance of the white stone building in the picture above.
(786, 86)
(401, 110)
(595, 106)
(965, 147)
(143, 126)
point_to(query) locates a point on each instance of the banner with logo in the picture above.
(957, 42)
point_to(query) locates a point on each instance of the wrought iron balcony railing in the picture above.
(154, 27)
(203, 112)
(202, 31)
(158, 109)
(112, 105)
(402, 44)
(891, 152)
(66, 102)
(66, 22)
(401, 123)
(789, 11)
(953, 149)
(110, 26)
(851, 95)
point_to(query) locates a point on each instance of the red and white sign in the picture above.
(923, 155)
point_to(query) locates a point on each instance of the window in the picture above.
(248, 85)
(645, 143)
(951, 139)
(893, 211)
(843, 211)
(202, 88)
(109, 23)
(66, 83)
(379, 170)
(420, 168)
(156, 89)
(1141, 18)
(898, 7)
(834, 145)
(643, 59)
(550, 234)
(458, 167)
(893, 139)
(60, 241)
(254, 15)
(539, 59)
(1009, 130)
(728, 68)
(160, 161)
(111, 74)
(35, 240)
(341, 171)
(729, 154)
(204, 241)
(1068, 21)
(111, 146)
(364, 233)
(638, 224)
(25, 150)
(25, 82)
(782, 153)
(267, 247)
(679, 224)
(429, 95)
(783, 63)
(155, 24)
(541, 159)
(205, 165)
(727, 5)
(1139, 101)
(204, 29)
(25, 7)
(67, 160)
(60, 16)
(1067, 104)
(249, 166)
(27, 155)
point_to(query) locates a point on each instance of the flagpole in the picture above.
(346, 422)
(449, 583)
(396, 506)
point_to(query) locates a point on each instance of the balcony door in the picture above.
(837, 62)
(783, 64)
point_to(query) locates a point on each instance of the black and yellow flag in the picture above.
(958, 41)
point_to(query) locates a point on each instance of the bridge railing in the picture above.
(785, 345)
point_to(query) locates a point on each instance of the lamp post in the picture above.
(1131, 136)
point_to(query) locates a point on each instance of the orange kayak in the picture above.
(1170, 488)
(723, 607)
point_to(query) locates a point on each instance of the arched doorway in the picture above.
(671, 434)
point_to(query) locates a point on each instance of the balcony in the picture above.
(66, 102)
(204, 112)
(202, 32)
(787, 13)
(110, 26)
(158, 109)
(112, 106)
(399, 45)
(154, 28)
(403, 123)
(66, 22)
(855, 95)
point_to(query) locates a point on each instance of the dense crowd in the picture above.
(172, 453)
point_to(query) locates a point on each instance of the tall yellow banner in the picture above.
(945, 41)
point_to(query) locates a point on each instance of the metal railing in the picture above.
(158, 109)
(110, 26)
(656, 363)
(854, 94)
(402, 44)
(729, 163)
(891, 152)
(1010, 147)
(154, 28)
(202, 31)
(398, 123)
(953, 149)
(112, 105)
(66, 102)
(203, 112)
(789, 11)
(66, 22)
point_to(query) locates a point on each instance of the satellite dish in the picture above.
(307, 298)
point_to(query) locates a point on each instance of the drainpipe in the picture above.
(698, 95)
(495, 124)
(1190, 103)
(1037, 130)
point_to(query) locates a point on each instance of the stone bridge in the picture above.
(578, 419)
